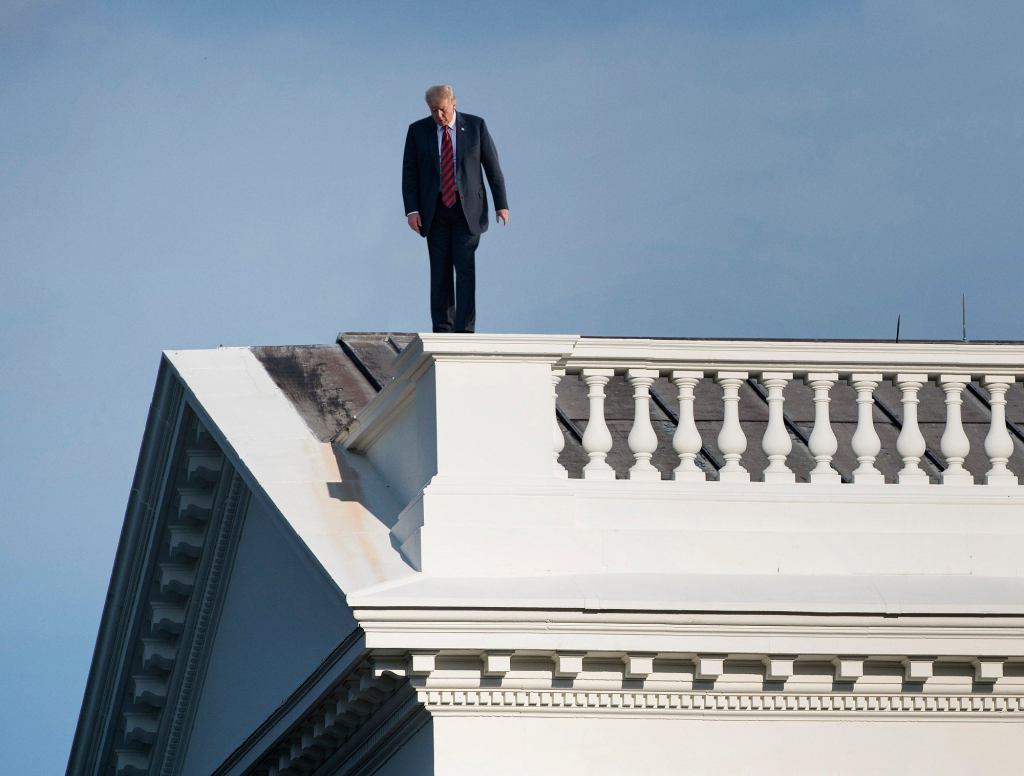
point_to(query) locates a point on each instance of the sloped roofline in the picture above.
(162, 422)
(127, 593)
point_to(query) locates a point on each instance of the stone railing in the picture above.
(773, 365)
(479, 405)
(717, 457)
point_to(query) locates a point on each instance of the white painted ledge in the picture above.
(266, 439)
(894, 594)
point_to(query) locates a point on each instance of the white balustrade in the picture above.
(822, 442)
(642, 440)
(488, 405)
(776, 442)
(865, 443)
(597, 439)
(686, 441)
(910, 443)
(558, 441)
(998, 444)
(731, 439)
(954, 443)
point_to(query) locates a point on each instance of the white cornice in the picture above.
(346, 724)
(652, 705)
(426, 348)
(543, 346)
(752, 492)
(652, 632)
(801, 357)
(652, 684)
(698, 595)
(617, 671)
(130, 588)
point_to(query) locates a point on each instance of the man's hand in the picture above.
(415, 223)
(501, 215)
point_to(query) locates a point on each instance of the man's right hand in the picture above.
(414, 222)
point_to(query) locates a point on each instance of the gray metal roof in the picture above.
(328, 384)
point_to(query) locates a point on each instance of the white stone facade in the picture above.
(505, 617)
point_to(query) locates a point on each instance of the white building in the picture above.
(705, 557)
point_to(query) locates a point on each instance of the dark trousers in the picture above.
(452, 270)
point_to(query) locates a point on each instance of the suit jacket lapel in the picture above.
(460, 141)
(430, 137)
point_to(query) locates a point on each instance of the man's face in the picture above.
(443, 112)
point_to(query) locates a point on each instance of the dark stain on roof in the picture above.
(321, 383)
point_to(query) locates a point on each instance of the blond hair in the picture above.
(437, 94)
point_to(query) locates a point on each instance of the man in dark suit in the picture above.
(446, 155)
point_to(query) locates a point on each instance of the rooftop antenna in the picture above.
(963, 317)
(897, 328)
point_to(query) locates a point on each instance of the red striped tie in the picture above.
(447, 169)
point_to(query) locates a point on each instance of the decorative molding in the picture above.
(185, 516)
(351, 722)
(740, 632)
(547, 681)
(709, 668)
(640, 702)
(167, 656)
(387, 737)
(610, 684)
(778, 669)
(358, 720)
(371, 709)
(123, 613)
(229, 529)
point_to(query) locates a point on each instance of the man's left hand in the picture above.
(501, 215)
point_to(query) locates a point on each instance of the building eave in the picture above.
(112, 641)
(290, 468)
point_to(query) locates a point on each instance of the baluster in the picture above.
(910, 443)
(731, 439)
(558, 441)
(642, 440)
(998, 444)
(686, 441)
(954, 443)
(822, 442)
(865, 443)
(776, 442)
(597, 439)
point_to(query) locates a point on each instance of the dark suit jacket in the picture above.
(474, 154)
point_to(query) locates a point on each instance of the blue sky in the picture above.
(192, 174)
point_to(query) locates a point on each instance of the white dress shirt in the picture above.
(440, 135)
